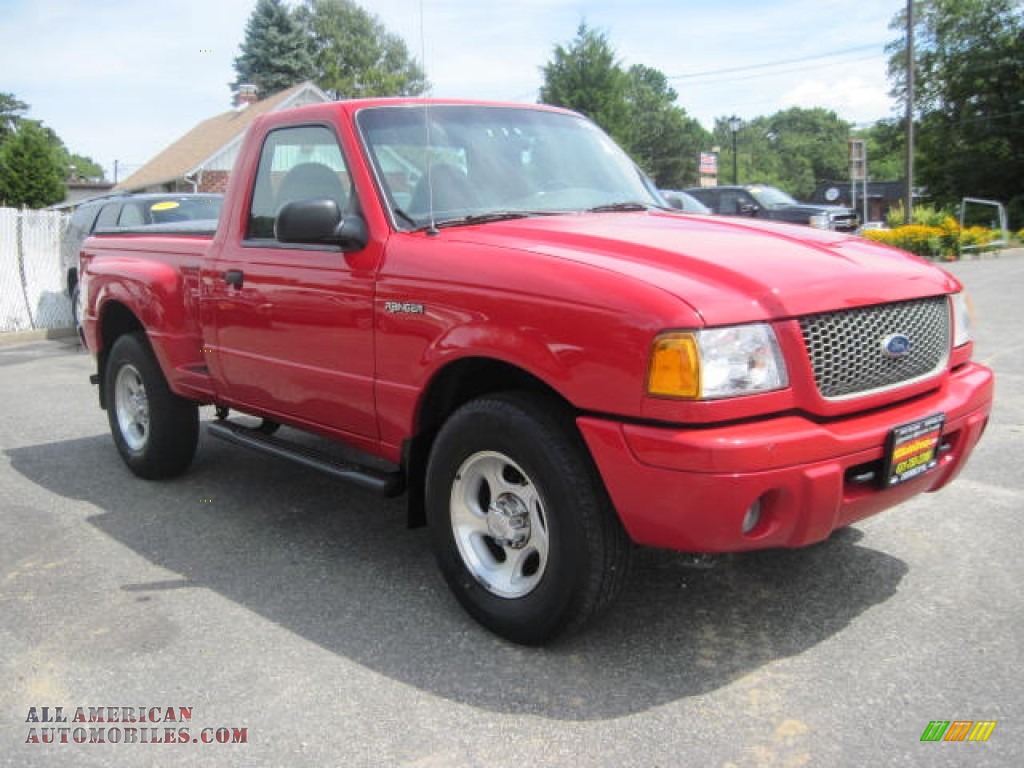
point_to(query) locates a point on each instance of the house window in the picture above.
(297, 163)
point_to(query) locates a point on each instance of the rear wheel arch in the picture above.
(115, 321)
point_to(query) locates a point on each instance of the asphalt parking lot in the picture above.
(299, 613)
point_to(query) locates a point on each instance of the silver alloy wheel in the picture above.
(132, 407)
(499, 524)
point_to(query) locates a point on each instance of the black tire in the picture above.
(75, 308)
(155, 431)
(575, 556)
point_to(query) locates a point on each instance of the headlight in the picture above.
(962, 322)
(821, 221)
(717, 362)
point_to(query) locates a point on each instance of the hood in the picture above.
(727, 270)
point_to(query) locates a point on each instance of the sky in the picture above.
(119, 80)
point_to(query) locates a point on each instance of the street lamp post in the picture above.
(734, 126)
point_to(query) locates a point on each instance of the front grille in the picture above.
(844, 223)
(847, 349)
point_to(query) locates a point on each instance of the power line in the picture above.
(778, 72)
(780, 62)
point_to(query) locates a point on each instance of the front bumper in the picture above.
(690, 489)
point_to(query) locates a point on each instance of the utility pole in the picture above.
(734, 126)
(908, 209)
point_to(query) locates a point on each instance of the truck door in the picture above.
(294, 323)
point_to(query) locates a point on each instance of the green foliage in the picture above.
(659, 135)
(792, 149)
(11, 109)
(924, 215)
(84, 167)
(353, 53)
(969, 90)
(30, 172)
(276, 51)
(886, 146)
(636, 107)
(586, 77)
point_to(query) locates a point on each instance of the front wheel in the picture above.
(521, 526)
(155, 431)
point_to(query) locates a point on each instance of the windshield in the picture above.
(486, 162)
(770, 197)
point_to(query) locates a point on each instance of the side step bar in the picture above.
(383, 483)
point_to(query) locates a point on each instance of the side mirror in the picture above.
(749, 209)
(319, 221)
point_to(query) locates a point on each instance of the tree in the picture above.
(80, 166)
(585, 77)
(792, 149)
(30, 172)
(885, 148)
(276, 51)
(969, 88)
(11, 109)
(353, 53)
(659, 135)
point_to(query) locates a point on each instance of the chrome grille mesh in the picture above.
(847, 348)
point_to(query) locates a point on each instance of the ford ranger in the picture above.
(490, 309)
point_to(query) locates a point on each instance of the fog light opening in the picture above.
(751, 518)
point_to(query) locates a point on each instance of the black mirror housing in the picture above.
(320, 222)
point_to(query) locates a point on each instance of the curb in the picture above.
(43, 334)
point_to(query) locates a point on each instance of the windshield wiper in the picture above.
(485, 218)
(616, 207)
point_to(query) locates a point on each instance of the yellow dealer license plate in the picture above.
(913, 449)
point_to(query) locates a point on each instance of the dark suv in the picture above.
(114, 211)
(764, 202)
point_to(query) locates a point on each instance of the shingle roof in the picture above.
(197, 146)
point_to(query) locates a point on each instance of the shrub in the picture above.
(943, 241)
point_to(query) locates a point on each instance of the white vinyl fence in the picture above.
(32, 288)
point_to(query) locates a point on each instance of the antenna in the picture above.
(432, 229)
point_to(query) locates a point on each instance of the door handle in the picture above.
(234, 277)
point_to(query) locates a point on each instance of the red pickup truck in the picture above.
(490, 308)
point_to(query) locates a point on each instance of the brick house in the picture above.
(201, 160)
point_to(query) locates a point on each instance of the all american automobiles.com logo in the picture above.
(124, 725)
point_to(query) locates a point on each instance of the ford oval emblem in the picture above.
(896, 345)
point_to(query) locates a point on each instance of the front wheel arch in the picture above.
(510, 462)
(453, 386)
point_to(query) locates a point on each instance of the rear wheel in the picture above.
(520, 522)
(155, 431)
(76, 306)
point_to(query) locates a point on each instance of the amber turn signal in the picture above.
(675, 366)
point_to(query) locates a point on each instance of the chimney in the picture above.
(245, 95)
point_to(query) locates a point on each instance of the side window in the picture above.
(297, 164)
(130, 216)
(108, 216)
(84, 218)
(728, 203)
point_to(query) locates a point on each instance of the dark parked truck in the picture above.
(763, 202)
(488, 309)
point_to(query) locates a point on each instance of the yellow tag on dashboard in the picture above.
(164, 206)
